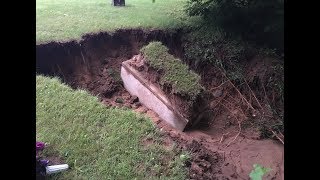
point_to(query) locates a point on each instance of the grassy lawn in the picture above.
(62, 20)
(95, 141)
(99, 142)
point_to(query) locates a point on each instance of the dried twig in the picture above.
(263, 88)
(230, 111)
(253, 93)
(219, 85)
(264, 91)
(231, 97)
(273, 96)
(84, 61)
(250, 99)
(217, 103)
(277, 136)
(60, 71)
(236, 135)
(237, 106)
(228, 102)
(239, 126)
(241, 95)
(281, 134)
(269, 116)
(222, 137)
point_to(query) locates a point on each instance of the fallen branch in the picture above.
(241, 95)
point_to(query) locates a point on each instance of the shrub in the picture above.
(212, 46)
(258, 20)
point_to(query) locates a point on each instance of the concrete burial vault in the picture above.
(151, 96)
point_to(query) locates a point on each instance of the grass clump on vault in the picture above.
(176, 74)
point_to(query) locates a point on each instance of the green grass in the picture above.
(176, 73)
(99, 142)
(63, 20)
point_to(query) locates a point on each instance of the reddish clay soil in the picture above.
(217, 151)
(225, 147)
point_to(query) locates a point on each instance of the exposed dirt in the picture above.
(212, 158)
(94, 63)
(225, 147)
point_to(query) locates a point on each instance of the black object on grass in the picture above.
(118, 2)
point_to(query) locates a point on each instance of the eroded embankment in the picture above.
(94, 64)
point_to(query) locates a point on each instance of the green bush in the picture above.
(258, 20)
(208, 45)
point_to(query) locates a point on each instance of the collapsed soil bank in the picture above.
(80, 64)
(94, 64)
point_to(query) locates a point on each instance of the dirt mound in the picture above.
(204, 164)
